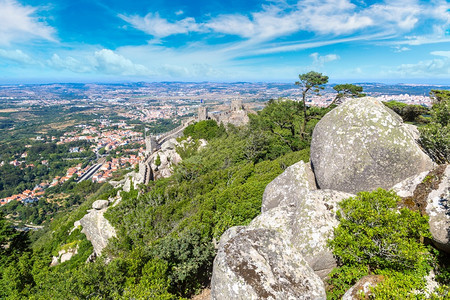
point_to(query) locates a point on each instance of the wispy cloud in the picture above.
(399, 49)
(438, 67)
(103, 61)
(19, 23)
(16, 56)
(158, 27)
(325, 17)
(438, 12)
(319, 60)
(109, 62)
(441, 53)
(69, 63)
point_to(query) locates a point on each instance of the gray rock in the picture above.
(258, 264)
(362, 287)
(280, 219)
(97, 229)
(168, 158)
(432, 190)
(289, 187)
(431, 284)
(314, 223)
(438, 209)
(230, 233)
(100, 204)
(76, 224)
(362, 145)
(64, 255)
(307, 225)
(407, 187)
(413, 131)
(169, 145)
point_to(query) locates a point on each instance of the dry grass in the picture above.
(60, 126)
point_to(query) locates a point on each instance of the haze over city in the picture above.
(405, 41)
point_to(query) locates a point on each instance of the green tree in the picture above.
(438, 96)
(207, 129)
(409, 113)
(435, 136)
(310, 82)
(347, 90)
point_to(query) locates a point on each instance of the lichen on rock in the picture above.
(259, 264)
(363, 145)
(429, 192)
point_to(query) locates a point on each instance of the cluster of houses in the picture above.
(108, 168)
(108, 139)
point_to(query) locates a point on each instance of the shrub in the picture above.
(374, 237)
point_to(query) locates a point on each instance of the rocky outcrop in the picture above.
(259, 264)
(100, 204)
(289, 187)
(96, 227)
(362, 145)
(163, 160)
(307, 225)
(296, 222)
(362, 288)
(429, 192)
(313, 224)
(64, 255)
(359, 146)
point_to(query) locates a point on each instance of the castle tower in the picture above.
(202, 114)
(236, 105)
(151, 145)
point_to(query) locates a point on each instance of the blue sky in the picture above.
(392, 41)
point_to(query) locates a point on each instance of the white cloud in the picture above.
(103, 61)
(332, 17)
(438, 67)
(232, 24)
(439, 12)
(69, 63)
(19, 23)
(108, 62)
(154, 25)
(441, 53)
(16, 56)
(322, 17)
(402, 15)
(399, 49)
(319, 60)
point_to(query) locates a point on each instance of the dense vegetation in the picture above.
(167, 231)
(373, 237)
(435, 136)
(408, 112)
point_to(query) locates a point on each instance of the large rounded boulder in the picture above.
(363, 145)
(260, 264)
